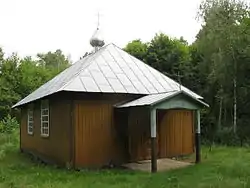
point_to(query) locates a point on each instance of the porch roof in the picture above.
(153, 99)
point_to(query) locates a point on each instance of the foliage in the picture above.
(9, 136)
(226, 136)
(19, 77)
(216, 66)
(8, 143)
(170, 56)
(8, 82)
(8, 125)
(53, 60)
(222, 41)
(137, 49)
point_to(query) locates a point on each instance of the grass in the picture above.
(222, 167)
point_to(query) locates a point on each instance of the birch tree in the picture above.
(220, 42)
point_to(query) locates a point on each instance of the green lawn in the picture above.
(223, 167)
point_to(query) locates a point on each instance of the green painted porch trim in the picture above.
(179, 101)
(153, 123)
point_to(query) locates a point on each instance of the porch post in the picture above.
(153, 140)
(197, 137)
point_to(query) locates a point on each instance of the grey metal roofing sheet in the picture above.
(109, 70)
(147, 100)
(154, 99)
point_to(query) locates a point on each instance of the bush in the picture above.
(9, 135)
(227, 137)
(8, 143)
(8, 125)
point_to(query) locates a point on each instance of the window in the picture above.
(45, 118)
(30, 120)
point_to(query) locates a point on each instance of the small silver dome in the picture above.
(96, 40)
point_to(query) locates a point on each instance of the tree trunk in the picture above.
(235, 107)
(220, 114)
(225, 115)
(234, 88)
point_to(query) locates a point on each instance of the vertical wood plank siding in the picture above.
(139, 133)
(97, 139)
(176, 133)
(98, 134)
(56, 147)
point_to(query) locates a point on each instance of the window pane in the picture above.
(45, 125)
(45, 111)
(45, 131)
(30, 121)
(45, 118)
(30, 113)
(30, 129)
(30, 118)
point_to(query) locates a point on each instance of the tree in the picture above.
(53, 60)
(8, 83)
(220, 41)
(31, 76)
(170, 56)
(137, 49)
(19, 77)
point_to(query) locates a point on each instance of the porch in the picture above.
(163, 164)
(162, 126)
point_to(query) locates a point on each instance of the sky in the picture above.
(29, 27)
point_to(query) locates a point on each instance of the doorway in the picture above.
(176, 132)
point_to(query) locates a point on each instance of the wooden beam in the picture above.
(153, 140)
(197, 138)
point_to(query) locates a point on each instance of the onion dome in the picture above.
(96, 40)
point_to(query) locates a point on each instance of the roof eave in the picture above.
(175, 93)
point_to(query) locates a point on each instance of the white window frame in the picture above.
(45, 123)
(30, 120)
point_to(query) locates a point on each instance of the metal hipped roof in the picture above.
(153, 99)
(109, 70)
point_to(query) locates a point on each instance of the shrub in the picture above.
(226, 136)
(9, 135)
(8, 125)
(8, 143)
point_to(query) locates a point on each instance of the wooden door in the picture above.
(176, 135)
